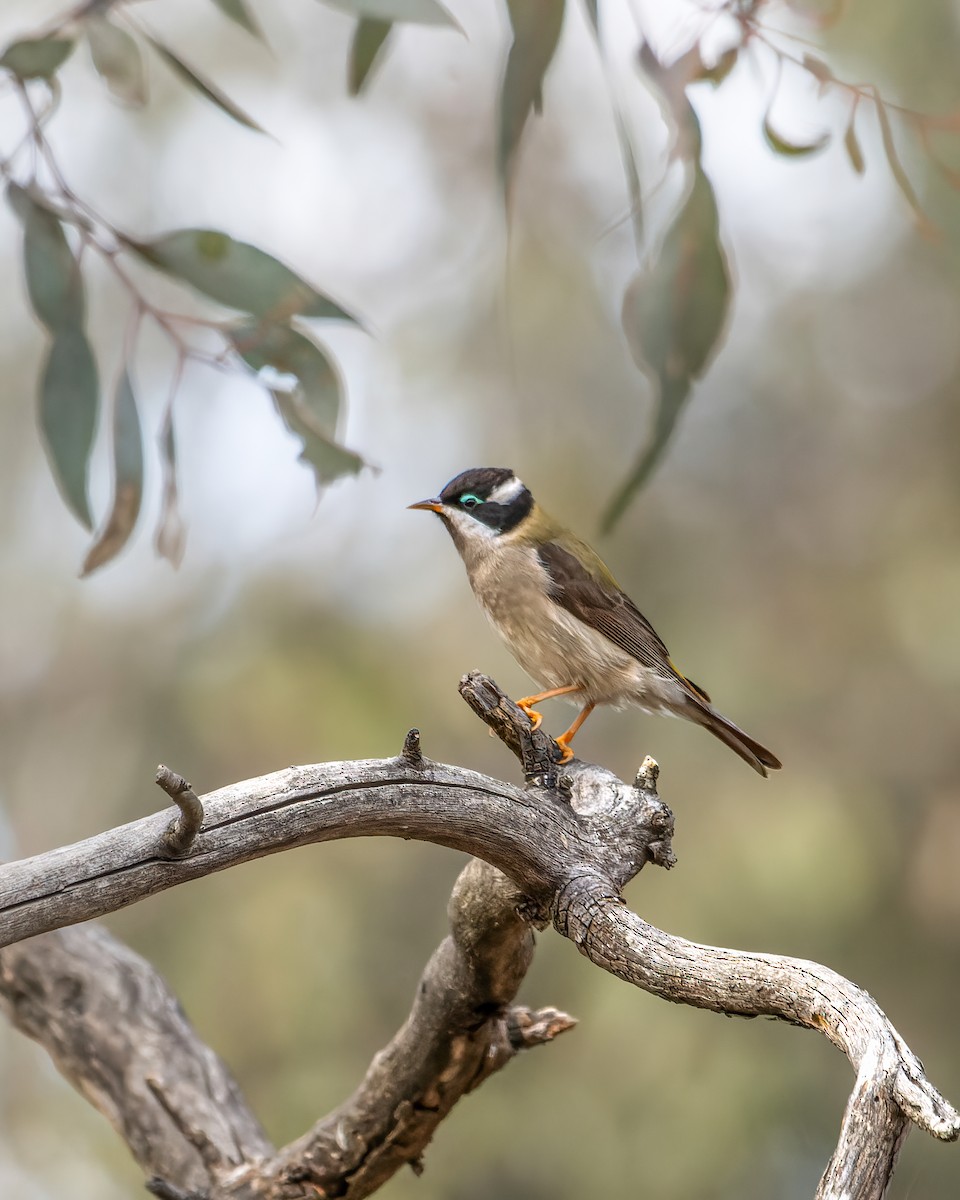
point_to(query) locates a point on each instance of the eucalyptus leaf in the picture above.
(208, 90)
(851, 143)
(924, 224)
(69, 404)
(127, 479)
(818, 68)
(36, 58)
(536, 28)
(328, 460)
(237, 275)
(311, 408)
(118, 60)
(54, 282)
(787, 149)
(415, 12)
(675, 309)
(674, 314)
(239, 13)
(366, 49)
(722, 67)
(289, 352)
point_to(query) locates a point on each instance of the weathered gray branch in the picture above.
(567, 843)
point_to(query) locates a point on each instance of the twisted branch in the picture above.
(560, 850)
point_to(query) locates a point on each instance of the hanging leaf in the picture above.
(328, 460)
(170, 537)
(237, 275)
(238, 12)
(722, 67)
(54, 282)
(36, 58)
(117, 59)
(924, 224)
(69, 401)
(311, 407)
(536, 28)
(208, 90)
(675, 310)
(366, 48)
(851, 143)
(674, 314)
(416, 12)
(127, 479)
(818, 69)
(780, 145)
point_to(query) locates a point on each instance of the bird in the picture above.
(564, 617)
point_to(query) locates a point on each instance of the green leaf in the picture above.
(536, 31)
(238, 12)
(208, 90)
(117, 59)
(851, 143)
(127, 479)
(312, 408)
(54, 282)
(237, 275)
(675, 310)
(366, 47)
(674, 314)
(780, 145)
(416, 12)
(170, 536)
(36, 58)
(69, 402)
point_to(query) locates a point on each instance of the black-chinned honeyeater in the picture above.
(562, 614)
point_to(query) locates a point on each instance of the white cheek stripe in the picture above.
(509, 490)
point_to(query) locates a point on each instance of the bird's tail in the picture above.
(759, 757)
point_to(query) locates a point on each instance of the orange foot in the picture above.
(567, 750)
(527, 703)
(536, 719)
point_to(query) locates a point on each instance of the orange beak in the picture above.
(429, 505)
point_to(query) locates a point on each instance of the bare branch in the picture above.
(565, 853)
(891, 1088)
(114, 1029)
(459, 1032)
(179, 834)
(116, 1032)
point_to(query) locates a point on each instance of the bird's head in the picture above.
(481, 504)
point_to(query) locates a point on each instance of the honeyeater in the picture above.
(562, 614)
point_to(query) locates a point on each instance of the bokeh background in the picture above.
(798, 549)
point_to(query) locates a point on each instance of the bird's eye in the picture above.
(469, 500)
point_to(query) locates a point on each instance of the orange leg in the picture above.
(527, 703)
(564, 740)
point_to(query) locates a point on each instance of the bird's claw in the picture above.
(536, 719)
(566, 751)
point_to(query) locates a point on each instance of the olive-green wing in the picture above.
(584, 587)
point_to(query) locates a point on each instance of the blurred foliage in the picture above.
(798, 548)
(674, 310)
